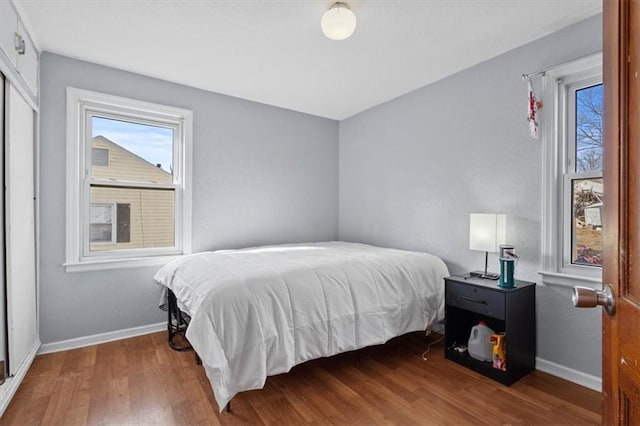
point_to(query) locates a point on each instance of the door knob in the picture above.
(585, 297)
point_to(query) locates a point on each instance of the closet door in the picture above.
(20, 229)
(3, 313)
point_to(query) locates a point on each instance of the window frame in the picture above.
(559, 170)
(82, 105)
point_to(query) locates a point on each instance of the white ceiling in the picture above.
(274, 52)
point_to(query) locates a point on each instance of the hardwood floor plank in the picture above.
(392, 406)
(198, 397)
(303, 404)
(142, 381)
(77, 360)
(387, 378)
(347, 398)
(113, 412)
(63, 404)
(555, 387)
(319, 398)
(447, 412)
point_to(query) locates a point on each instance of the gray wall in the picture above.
(412, 169)
(410, 172)
(260, 175)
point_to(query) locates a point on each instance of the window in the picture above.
(573, 185)
(101, 223)
(583, 177)
(108, 224)
(123, 223)
(128, 192)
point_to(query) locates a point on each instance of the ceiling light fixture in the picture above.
(339, 22)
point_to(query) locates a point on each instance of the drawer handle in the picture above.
(471, 299)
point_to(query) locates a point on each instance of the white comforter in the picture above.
(260, 311)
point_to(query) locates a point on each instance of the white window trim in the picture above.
(114, 221)
(78, 103)
(554, 134)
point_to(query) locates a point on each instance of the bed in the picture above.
(260, 311)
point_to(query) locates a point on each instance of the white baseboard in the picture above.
(80, 342)
(575, 376)
(11, 384)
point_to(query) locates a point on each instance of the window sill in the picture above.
(566, 280)
(122, 263)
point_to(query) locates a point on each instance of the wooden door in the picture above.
(621, 331)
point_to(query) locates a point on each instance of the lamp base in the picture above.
(486, 276)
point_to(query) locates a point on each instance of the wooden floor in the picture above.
(141, 381)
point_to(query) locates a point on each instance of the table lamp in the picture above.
(486, 233)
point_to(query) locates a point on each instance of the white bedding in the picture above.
(260, 311)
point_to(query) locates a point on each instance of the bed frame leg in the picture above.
(228, 407)
(176, 324)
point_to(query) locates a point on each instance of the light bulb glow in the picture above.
(339, 22)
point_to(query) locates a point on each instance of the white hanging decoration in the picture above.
(532, 111)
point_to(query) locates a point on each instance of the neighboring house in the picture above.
(588, 202)
(128, 218)
(593, 185)
(593, 215)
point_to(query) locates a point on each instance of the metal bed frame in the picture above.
(177, 323)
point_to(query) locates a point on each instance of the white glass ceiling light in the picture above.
(339, 22)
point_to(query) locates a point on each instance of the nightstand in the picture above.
(512, 311)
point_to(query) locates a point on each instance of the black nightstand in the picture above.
(513, 311)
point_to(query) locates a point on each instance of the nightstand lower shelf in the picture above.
(482, 367)
(511, 311)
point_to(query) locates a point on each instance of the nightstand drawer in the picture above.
(475, 299)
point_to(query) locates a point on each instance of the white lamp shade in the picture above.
(487, 231)
(339, 22)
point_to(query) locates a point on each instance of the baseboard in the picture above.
(575, 376)
(80, 342)
(11, 384)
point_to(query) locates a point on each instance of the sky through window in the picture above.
(153, 143)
